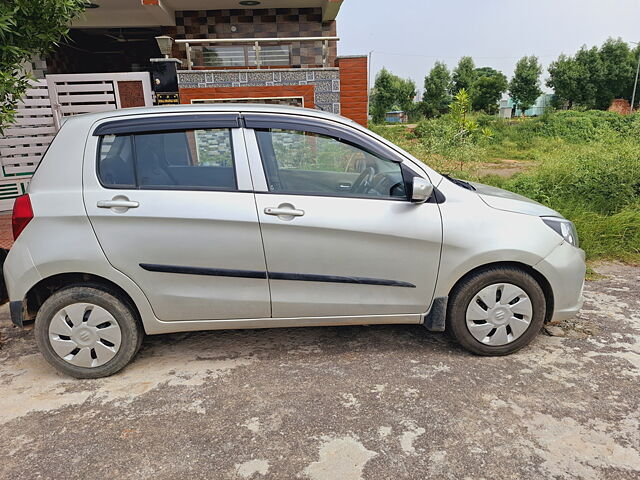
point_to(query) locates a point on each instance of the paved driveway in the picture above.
(338, 403)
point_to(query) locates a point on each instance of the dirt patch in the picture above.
(502, 167)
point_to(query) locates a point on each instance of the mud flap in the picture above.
(435, 320)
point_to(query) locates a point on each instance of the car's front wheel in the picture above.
(496, 311)
(87, 332)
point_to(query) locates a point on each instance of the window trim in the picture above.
(322, 127)
(167, 123)
(403, 170)
(137, 186)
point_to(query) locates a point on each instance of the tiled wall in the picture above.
(259, 23)
(326, 82)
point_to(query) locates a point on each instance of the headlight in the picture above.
(564, 228)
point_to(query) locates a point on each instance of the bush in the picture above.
(605, 180)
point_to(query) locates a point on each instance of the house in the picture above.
(508, 108)
(272, 51)
(396, 116)
(265, 51)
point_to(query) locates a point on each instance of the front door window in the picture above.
(306, 163)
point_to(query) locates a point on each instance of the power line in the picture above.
(455, 57)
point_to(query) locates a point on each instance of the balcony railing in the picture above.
(249, 52)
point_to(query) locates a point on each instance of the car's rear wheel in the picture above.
(496, 311)
(87, 332)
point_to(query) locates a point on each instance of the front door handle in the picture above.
(285, 211)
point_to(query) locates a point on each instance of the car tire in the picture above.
(87, 331)
(494, 329)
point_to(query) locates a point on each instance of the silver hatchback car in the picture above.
(184, 218)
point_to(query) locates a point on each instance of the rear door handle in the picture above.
(117, 204)
(284, 212)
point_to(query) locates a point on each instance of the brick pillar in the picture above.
(354, 93)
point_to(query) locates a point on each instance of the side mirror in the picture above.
(421, 190)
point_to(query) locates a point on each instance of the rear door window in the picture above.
(188, 159)
(116, 164)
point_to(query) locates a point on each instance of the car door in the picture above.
(170, 200)
(340, 236)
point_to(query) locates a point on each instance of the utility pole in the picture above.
(635, 85)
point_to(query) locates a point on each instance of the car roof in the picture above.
(208, 108)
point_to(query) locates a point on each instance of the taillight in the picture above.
(22, 215)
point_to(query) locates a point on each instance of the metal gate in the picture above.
(42, 111)
(97, 92)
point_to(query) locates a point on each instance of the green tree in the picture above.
(487, 89)
(594, 76)
(404, 93)
(618, 72)
(437, 91)
(525, 84)
(28, 28)
(382, 95)
(464, 75)
(564, 78)
(391, 92)
(590, 76)
(467, 131)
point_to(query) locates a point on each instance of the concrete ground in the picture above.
(338, 403)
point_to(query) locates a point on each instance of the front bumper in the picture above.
(564, 269)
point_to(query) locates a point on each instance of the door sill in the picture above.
(155, 326)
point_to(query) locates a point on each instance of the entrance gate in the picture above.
(42, 111)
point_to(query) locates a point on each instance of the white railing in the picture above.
(257, 46)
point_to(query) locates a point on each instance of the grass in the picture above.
(585, 165)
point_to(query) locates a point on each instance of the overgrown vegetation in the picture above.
(586, 165)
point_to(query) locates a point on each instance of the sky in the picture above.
(409, 36)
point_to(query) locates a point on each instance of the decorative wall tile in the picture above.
(295, 76)
(255, 23)
(327, 73)
(260, 76)
(323, 97)
(226, 77)
(322, 86)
